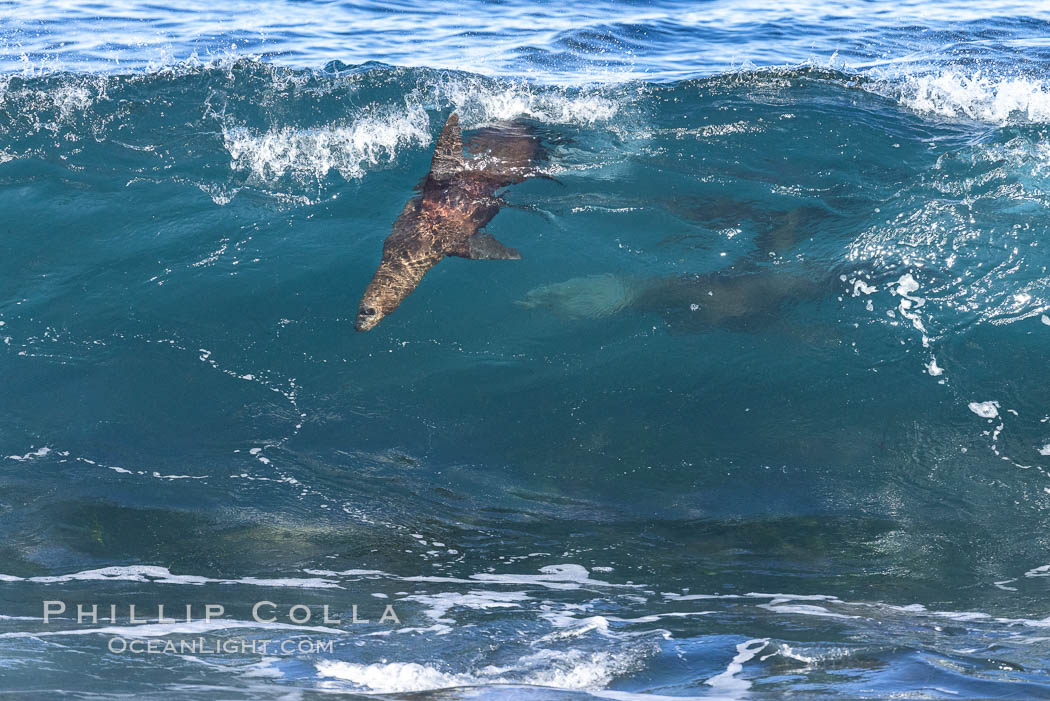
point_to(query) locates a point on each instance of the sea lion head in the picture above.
(393, 281)
(371, 310)
(368, 315)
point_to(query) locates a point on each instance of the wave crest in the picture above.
(984, 98)
(480, 101)
(373, 138)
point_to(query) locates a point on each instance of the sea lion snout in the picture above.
(368, 315)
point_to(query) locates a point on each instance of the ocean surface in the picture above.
(763, 411)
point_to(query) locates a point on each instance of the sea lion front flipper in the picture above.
(482, 246)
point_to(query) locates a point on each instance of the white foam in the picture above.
(698, 597)
(793, 597)
(963, 615)
(572, 669)
(581, 628)
(909, 303)
(390, 677)
(576, 669)
(906, 284)
(264, 668)
(157, 475)
(67, 101)
(1043, 571)
(653, 618)
(745, 651)
(553, 577)
(803, 609)
(986, 410)
(38, 453)
(646, 696)
(933, 368)
(566, 577)
(349, 149)
(438, 605)
(348, 573)
(996, 99)
(862, 288)
(152, 630)
(480, 101)
(160, 575)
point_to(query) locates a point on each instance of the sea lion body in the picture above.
(458, 199)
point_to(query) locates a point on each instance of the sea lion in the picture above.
(457, 199)
(738, 300)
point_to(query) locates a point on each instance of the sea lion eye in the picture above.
(369, 312)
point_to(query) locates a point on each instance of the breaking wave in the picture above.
(350, 150)
(994, 99)
(779, 326)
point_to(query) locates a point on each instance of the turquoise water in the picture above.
(762, 411)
